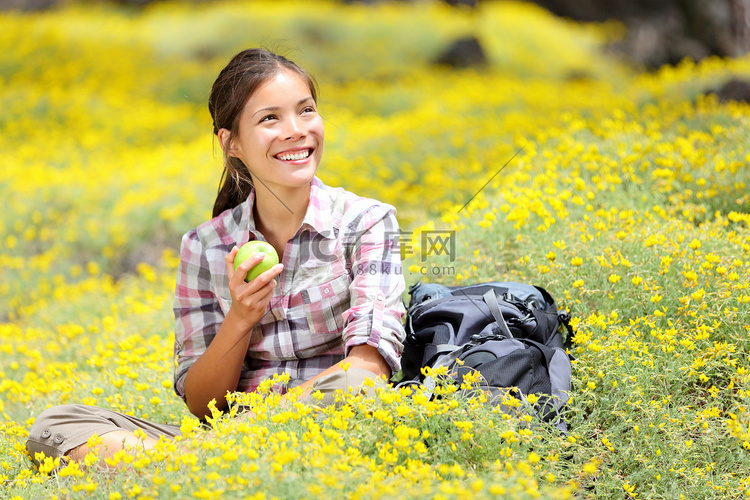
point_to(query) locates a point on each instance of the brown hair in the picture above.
(247, 71)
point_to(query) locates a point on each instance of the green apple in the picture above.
(251, 248)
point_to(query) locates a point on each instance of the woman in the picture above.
(334, 296)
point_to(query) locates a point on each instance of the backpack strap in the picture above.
(491, 300)
(442, 349)
(448, 354)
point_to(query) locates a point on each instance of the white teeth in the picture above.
(294, 156)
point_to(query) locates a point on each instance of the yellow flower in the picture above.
(590, 467)
(497, 490)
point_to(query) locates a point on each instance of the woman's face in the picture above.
(280, 136)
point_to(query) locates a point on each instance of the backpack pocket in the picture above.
(507, 363)
(530, 367)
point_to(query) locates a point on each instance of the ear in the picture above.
(227, 145)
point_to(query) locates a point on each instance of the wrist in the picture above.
(237, 323)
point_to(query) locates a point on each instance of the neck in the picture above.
(279, 214)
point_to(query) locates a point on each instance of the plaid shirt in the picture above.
(341, 286)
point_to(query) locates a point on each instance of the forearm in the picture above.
(218, 369)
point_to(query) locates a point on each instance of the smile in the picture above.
(297, 155)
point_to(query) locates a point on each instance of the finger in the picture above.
(265, 295)
(273, 272)
(245, 267)
(256, 298)
(257, 301)
(264, 278)
(258, 289)
(251, 262)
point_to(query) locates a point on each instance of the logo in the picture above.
(438, 242)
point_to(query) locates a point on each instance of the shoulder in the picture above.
(222, 230)
(349, 210)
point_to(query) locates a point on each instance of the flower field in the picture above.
(628, 199)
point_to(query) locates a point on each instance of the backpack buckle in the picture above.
(496, 334)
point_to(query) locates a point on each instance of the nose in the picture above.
(294, 129)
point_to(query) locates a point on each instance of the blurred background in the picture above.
(108, 155)
(658, 32)
(106, 141)
(623, 124)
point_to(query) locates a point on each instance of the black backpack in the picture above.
(509, 332)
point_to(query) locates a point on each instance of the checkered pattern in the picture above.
(341, 286)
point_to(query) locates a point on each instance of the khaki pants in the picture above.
(59, 429)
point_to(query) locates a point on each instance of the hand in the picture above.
(249, 300)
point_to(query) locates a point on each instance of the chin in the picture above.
(302, 178)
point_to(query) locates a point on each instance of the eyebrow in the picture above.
(274, 108)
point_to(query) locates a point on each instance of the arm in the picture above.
(375, 315)
(218, 367)
(373, 334)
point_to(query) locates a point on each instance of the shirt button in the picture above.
(59, 438)
(326, 290)
(46, 433)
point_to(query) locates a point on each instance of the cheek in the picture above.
(264, 136)
(317, 127)
(261, 141)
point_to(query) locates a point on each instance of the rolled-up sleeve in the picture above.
(197, 313)
(376, 310)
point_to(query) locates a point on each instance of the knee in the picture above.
(53, 417)
(47, 434)
(341, 381)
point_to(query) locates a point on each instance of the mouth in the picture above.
(296, 155)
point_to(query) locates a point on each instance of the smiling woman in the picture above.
(301, 317)
(280, 142)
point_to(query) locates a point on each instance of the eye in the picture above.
(308, 109)
(267, 118)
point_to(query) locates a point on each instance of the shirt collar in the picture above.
(318, 215)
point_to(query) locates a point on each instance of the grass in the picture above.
(628, 202)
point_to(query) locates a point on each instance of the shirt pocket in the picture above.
(325, 305)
